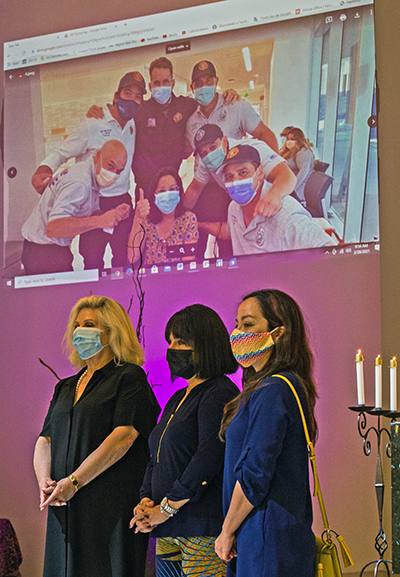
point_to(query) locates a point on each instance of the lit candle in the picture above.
(360, 378)
(393, 384)
(378, 382)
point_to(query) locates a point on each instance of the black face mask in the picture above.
(181, 363)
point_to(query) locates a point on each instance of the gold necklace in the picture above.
(78, 384)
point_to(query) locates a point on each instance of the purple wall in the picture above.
(340, 299)
(334, 295)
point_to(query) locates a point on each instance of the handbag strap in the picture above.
(347, 559)
(311, 454)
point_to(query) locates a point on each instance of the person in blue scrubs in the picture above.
(267, 502)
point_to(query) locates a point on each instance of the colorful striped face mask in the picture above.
(248, 348)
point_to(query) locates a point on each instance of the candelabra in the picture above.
(380, 540)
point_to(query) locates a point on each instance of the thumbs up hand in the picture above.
(142, 207)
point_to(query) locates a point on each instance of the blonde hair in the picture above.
(113, 317)
(301, 142)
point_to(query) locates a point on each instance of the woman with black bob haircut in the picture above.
(267, 503)
(202, 327)
(161, 222)
(181, 496)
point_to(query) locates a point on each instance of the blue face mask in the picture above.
(214, 159)
(241, 191)
(167, 201)
(127, 108)
(204, 95)
(161, 94)
(87, 342)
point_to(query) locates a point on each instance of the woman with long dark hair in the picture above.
(161, 225)
(181, 495)
(267, 502)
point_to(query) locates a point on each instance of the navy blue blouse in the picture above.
(266, 452)
(187, 459)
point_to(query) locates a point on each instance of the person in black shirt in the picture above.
(181, 493)
(92, 452)
(161, 126)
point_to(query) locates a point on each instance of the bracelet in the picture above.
(75, 482)
(166, 508)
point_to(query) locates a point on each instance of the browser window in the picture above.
(307, 65)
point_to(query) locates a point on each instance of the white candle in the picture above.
(360, 378)
(393, 384)
(378, 382)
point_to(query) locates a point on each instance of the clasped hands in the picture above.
(146, 516)
(55, 494)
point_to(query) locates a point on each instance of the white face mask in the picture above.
(291, 144)
(105, 177)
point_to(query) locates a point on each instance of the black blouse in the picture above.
(90, 536)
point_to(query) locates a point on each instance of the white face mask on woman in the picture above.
(291, 144)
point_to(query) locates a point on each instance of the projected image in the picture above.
(242, 142)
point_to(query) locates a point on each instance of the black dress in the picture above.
(89, 537)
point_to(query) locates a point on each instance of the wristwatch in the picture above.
(75, 482)
(166, 509)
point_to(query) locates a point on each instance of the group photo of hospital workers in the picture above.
(220, 476)
(246, 195)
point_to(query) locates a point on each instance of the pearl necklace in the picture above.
(78, 384)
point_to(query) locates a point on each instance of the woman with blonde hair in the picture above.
(297, 151)
(92, 452)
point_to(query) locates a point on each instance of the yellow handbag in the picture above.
(326, 556)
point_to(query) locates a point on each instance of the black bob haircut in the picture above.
(202, 329)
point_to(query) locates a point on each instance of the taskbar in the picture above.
(189, 266)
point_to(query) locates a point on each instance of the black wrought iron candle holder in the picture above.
(381, 544)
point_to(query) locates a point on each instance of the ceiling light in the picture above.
(246, 58)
